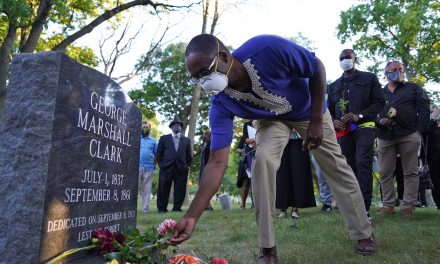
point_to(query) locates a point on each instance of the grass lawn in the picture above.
(316, 237)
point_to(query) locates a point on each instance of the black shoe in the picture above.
(163, 212)
(327, 208)
(177, 210)
(209, 208)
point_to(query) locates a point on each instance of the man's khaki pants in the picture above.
(407, 147)
(272, 136)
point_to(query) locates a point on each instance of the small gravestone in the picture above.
(225, 201)
(69, 153)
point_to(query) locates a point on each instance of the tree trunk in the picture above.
(5, 60)
(193, 115)
(205, 10)
(37, 27)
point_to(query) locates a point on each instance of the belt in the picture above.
(367, 124)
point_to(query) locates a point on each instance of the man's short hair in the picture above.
(393, 61)
(349, 50)
(205, 44)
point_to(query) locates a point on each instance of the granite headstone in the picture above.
(69, 153)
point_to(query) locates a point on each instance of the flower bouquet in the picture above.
(130, 247)
(136, 247)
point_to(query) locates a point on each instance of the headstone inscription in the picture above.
(69, 153)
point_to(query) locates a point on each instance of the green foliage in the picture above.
(84, 55)
(167, 89)
(19, 11)
(303, 40)
(342, 105)
(406, 30)
(140, 247)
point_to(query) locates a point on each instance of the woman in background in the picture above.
(294, 179)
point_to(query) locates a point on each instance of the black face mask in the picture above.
(176, 129)
(145, 133)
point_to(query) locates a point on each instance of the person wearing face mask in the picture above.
(147, 164)
(354, 100)
(401, 123)
(174, 156)
(281, 85)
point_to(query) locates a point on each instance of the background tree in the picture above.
(303, 40)
(406, 30)
(167, 89)
(24, 27)
(214, 13)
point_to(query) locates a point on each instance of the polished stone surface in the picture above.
(69, 148)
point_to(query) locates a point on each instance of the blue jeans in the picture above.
(324, 189)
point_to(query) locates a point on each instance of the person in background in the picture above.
(147, 164)
(325, 193)
(354, 101)
(294, 179)
(401, 123)
(281, 85)
(174, 156)
(433, 151)
(244, 167)
(204, 156)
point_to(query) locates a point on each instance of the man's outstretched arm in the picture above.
(209, 183)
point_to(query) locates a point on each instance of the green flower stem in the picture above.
(157, 244)
(68, 253)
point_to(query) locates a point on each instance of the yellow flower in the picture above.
(392, 112)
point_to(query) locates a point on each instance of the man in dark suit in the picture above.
(174, 157)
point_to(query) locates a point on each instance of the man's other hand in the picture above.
(385, 121)
(339, 125)
(350, 117)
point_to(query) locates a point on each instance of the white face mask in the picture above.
(214, 83)
(346, 64)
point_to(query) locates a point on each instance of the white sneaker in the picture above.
(295, 214)
(282, 214)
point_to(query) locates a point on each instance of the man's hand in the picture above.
(314, 136)
(339, 125)
(385, 121)
(182, 231)
(350, 117)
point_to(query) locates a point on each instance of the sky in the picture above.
(316, 19)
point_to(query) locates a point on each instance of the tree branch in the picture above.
(37, 26)
(109, 14)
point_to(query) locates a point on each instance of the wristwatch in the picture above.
(361, 116)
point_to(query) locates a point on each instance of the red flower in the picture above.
(218, 261)
(105, 240)
(102, 235)
(119, 237)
